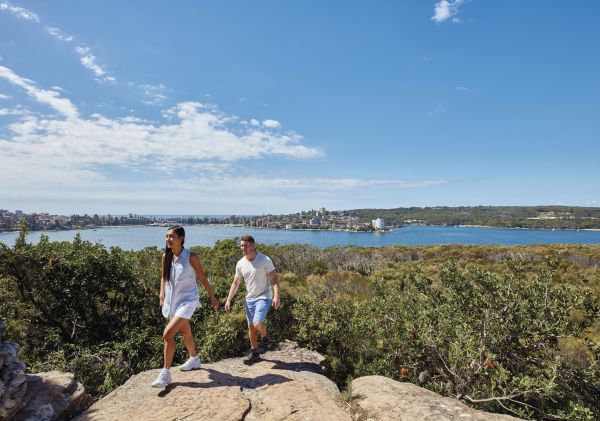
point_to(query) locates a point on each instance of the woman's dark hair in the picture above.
(180, 232)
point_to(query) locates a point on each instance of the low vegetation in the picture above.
(506, 329)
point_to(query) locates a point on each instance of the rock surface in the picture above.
(41, 397)
(380, 398)
(12, 379)
(52, 396)
(287, 384)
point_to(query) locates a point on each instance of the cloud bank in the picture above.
(19, 12)
(195, 135)
(446, 9)
(97, 160)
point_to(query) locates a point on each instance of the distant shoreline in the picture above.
(387, 230)
(518, 228)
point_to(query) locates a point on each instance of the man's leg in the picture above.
(252, 332)
(253, 335)
(261, 328)
(260, 314)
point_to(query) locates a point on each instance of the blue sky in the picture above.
(273, 107)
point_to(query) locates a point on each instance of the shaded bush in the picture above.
(506, 329)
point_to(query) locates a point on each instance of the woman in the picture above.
(179, 299)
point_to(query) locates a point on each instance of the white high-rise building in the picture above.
(378, 223)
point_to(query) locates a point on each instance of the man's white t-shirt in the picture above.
(255, 276)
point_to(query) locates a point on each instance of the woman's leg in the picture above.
(169, 333)
(188, 338)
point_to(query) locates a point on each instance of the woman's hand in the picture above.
(162, 298)
(214, 303)
(228, 305)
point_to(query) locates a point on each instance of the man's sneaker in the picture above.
(251, 358)
(193, 363)
(265, 343)
(163, 379)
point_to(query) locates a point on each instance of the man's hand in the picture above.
(214, 302)
(227, 305)
(276, 302)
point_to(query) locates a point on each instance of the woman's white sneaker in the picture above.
(193, 363)
(163, 379)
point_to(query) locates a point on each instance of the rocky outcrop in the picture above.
(40, 397)
(12, 378)
(52, 396)
(287, 384)
(380, 398)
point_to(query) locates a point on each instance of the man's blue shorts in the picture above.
(256, 310)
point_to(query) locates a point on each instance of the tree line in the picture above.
(532, 217)
(506, 329)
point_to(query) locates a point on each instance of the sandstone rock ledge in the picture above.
(286, 384)
(380, 398)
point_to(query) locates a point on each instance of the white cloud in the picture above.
(44, 96)
(461, 88)
(272, 124)
(2, 96)
(215, 192)
(59, 34)
(88, 60)
(155, 94)
(16, 111)
(199, 137)
(19, 12)
(314, 184)
(445, 9)
(199, 150)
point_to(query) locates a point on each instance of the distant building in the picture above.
(315, 221)
(378, 223)
(352, 221)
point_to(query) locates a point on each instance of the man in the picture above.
(255, 269)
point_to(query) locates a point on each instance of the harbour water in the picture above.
(139, 237)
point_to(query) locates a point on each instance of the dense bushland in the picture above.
(538, 217)
(506, 329)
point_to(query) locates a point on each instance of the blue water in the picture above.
(205, 235)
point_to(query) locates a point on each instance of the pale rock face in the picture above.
(52, 396)
(41, 397)
(380, 398)
(287, 384)
(12, 380)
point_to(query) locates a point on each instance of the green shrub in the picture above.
(506, 329)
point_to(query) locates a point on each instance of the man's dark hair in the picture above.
(247, 238)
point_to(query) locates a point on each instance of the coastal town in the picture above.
(320, 219)
(357, 220)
